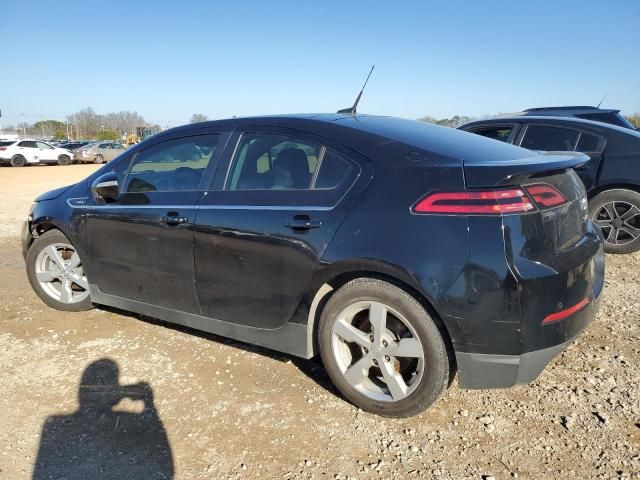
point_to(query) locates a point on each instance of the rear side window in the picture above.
(173, 165)
(28, 144)
(267, 161)
(552, 139)
(588, 143)
(501, 133)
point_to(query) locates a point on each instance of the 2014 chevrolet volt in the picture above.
(400, 252)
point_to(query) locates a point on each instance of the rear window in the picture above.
(610, 118)
(588, 143)
(551, 139)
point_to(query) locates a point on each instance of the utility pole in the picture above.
(24, 133)
(42, 125)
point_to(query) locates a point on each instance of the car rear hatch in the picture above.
(553, 250)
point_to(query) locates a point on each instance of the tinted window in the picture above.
(551, 139)
(611, 118)
(265, 161)
(501, 133)
(28, 144)
(588, 143)
(172, 165)
(104, 145)
(334, 170)
(6, 144)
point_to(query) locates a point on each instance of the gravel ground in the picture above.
(194, 405)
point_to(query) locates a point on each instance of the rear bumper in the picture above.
(487, 370)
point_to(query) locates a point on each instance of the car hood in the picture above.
(52, 194)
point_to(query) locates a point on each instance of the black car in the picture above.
(611, 176)
(397, 251)
(605, 115)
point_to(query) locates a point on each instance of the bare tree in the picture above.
(87, 123)
(198, 117)
(123, 122)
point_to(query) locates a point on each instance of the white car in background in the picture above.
(19, 153)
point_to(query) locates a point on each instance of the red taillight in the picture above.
(545, 195)
(489, 202)
(554, 317)
(3, 148)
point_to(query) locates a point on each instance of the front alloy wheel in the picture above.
(56, 274)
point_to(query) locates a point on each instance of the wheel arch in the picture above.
(613, 186)
(327, 284)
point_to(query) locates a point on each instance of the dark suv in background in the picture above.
(604, 115)
(611, 176)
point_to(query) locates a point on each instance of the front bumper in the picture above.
(26, 237)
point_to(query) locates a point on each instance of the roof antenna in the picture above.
(352, 110)
(605, 96)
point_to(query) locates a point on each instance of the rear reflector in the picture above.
(545, 195)
(489, 202)
(554, 317)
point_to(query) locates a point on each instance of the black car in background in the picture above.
(396, 250)
(611, 176)
(605, 115)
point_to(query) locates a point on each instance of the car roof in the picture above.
(577, 108)
(574, 121)
(362, 130)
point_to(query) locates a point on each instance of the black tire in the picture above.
(18, 161)
(617, 213)
(64, 160)
(98, 159)
(39, 244)
(435, 376)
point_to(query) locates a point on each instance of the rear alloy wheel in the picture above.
(18, 161)
(382, 349)
(98, 159)
(64, 160)
(55, 272)
(617, 213)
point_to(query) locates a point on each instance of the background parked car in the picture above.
(612, 176)
(604, 115)
(74, 145)
(19, 153)
(98, 152)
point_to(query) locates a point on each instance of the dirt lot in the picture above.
(205, 407)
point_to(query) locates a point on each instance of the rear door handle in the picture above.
(174, 218)
(302, 222)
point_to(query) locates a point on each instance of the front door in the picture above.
(141, 246)
(259, 236)
(46, 152)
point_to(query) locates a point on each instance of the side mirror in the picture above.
(105, 188)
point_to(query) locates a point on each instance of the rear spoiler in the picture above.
(512, 172)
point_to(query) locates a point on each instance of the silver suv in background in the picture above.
(98, 152)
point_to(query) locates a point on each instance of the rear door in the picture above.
(29, 150)
(141, 246)
(553, 138)
(263, 227)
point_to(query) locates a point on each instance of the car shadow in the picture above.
(99, 441)
(312, 368)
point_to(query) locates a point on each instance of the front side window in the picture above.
(501, 133)
(173, 165)
(551, 139)
(44, 146)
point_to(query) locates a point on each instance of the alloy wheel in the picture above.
(59, 272)
(378, 351)
(619, 222)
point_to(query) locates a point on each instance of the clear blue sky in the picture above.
(169, 59)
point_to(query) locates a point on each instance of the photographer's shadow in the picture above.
(99, 442)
